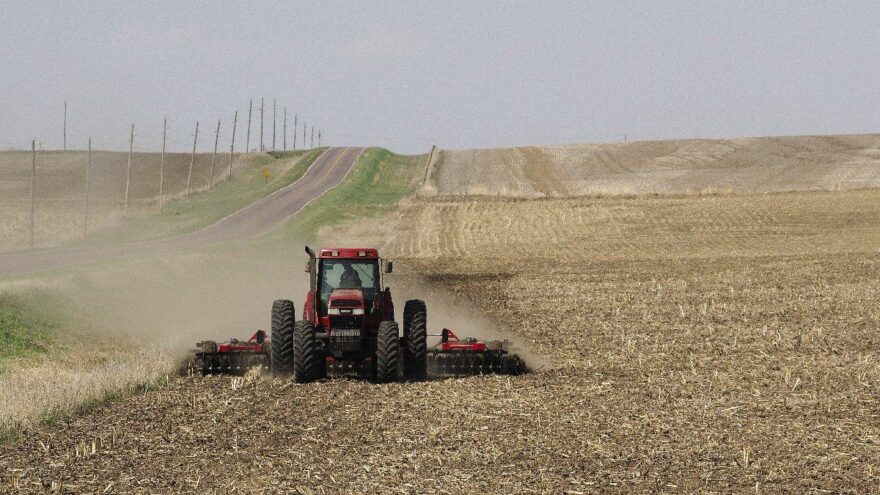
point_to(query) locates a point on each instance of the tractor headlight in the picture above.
(345, 311)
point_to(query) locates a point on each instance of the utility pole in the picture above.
(294, 131)
(214, 157)
(86, 205)
(305, 130)
(65, 125)
(33, 185)
(128, 171)
(319, 138)
(247, 143)
(312, 143)
(274, 111)
(232, 145)
(285, 129)
(162, 166)
(192, 160)
(262, 111)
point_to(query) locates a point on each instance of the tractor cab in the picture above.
(346, 289)
(347, 283)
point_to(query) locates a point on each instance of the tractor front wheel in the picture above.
(387, 352)
(281, 353)
(415, 336)
(308, 363)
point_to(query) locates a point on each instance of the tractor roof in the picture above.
(330, 253)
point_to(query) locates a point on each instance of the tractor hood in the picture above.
(346, 299)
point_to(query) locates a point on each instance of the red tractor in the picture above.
(348, 317)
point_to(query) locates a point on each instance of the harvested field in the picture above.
(702, 343)
(735, 338)
(661, 167)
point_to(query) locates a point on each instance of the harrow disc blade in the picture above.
(231, 364)
(474, 363)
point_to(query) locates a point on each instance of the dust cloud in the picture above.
(173, 301)
(169, 302)
(464, 320)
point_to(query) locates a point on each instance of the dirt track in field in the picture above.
(661, 167)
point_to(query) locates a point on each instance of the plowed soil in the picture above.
(700, 343)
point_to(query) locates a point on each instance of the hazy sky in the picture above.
(406, 75)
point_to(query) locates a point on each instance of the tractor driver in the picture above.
(350, 278)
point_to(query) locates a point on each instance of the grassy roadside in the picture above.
(200, 210)
(27, 326)
(55, 363)
(372, 189)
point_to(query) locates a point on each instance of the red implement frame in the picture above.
(233, 356)
(253, 344)
(449, 342)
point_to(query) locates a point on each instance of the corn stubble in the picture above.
(712, 344)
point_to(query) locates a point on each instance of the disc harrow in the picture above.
(233, 357)
(453, 356)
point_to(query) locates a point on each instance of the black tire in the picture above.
(415, 336)
(387, 352)
(281, 352)
(308, 364)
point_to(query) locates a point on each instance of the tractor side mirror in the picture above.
(389, 266)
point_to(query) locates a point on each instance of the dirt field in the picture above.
(661, 167)
(702, 343)
(695, 342)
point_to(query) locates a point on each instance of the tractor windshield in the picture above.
(348, 274)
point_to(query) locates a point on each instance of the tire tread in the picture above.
(281, 348)
(415, 332)
(387, 352)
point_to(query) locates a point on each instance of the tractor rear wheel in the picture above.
(308, 364)
(281, 352)
(415, 335)
(387, 352)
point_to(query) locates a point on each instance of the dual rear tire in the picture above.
(415, 345)
(295, 348)
(387, 352)
(281, 351)
(415, 339)
(308, 362)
